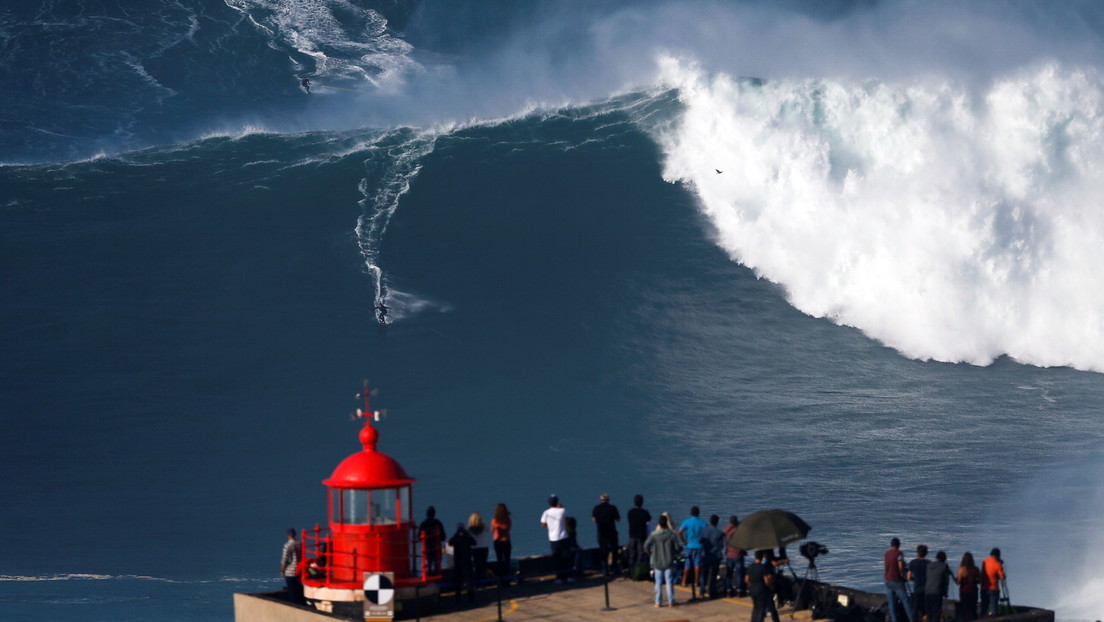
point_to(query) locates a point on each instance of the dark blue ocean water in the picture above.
(837, 322)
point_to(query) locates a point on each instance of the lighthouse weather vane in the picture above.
(367, 411)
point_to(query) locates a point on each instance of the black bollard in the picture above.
(605, 585)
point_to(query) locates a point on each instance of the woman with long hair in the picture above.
(500, 534)
(967, 579)
(478, 530)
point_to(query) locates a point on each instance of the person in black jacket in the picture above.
(935, 589)
(760, 582)
(432, 533)
(462, 544)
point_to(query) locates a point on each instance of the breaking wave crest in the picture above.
(344, 40)
(949, 223)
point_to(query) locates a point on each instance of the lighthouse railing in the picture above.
(426, 560)
(340, 563)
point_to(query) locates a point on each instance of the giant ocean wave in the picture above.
(639, 234)
(950, 224)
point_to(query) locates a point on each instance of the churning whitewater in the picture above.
(950, 224)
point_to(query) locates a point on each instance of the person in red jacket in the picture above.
(992, 573)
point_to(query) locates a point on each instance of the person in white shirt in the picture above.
(553, 521)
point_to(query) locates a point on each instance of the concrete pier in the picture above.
(585, 601)
(544, 600)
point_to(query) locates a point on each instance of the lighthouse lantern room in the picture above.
(371, 528)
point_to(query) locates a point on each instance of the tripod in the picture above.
(811, 573)
(1005, 598)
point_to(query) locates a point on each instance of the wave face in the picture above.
(949, 224)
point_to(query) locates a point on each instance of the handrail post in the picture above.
(605, 583)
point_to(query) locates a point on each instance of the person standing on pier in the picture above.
(895, 580)
(968, 577)
(662, 546)
(935, 590)
(992, 573)
(478, 530)
(638, 519)
(605, 517)
(918, 573)
(462, 544)
(734, 562)
(432, 533)
(553, 521)
(713, 546)
(500, 533)
(690, 532)
(760, 582)
(289, 564)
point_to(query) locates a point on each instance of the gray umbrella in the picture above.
(768, 529)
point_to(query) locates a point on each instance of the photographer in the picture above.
(992, 573)
(760, 582)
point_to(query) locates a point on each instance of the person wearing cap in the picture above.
(605, 517)
(289, 562)
(553, 520)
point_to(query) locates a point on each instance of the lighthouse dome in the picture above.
(368, 468)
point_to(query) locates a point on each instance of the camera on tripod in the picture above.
(811, 549)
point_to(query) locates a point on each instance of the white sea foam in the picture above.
(235, 132)
(345, 40)
(401, 163)
(83, 576)
(140, 70)
(949, 222)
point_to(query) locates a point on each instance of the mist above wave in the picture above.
(343, 39)
(950, 223)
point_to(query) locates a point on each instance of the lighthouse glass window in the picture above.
(354, 507)
(383, 505)
(372, 507)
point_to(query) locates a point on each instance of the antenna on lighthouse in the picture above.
(366, 395)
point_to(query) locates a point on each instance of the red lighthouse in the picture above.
(371, 530)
